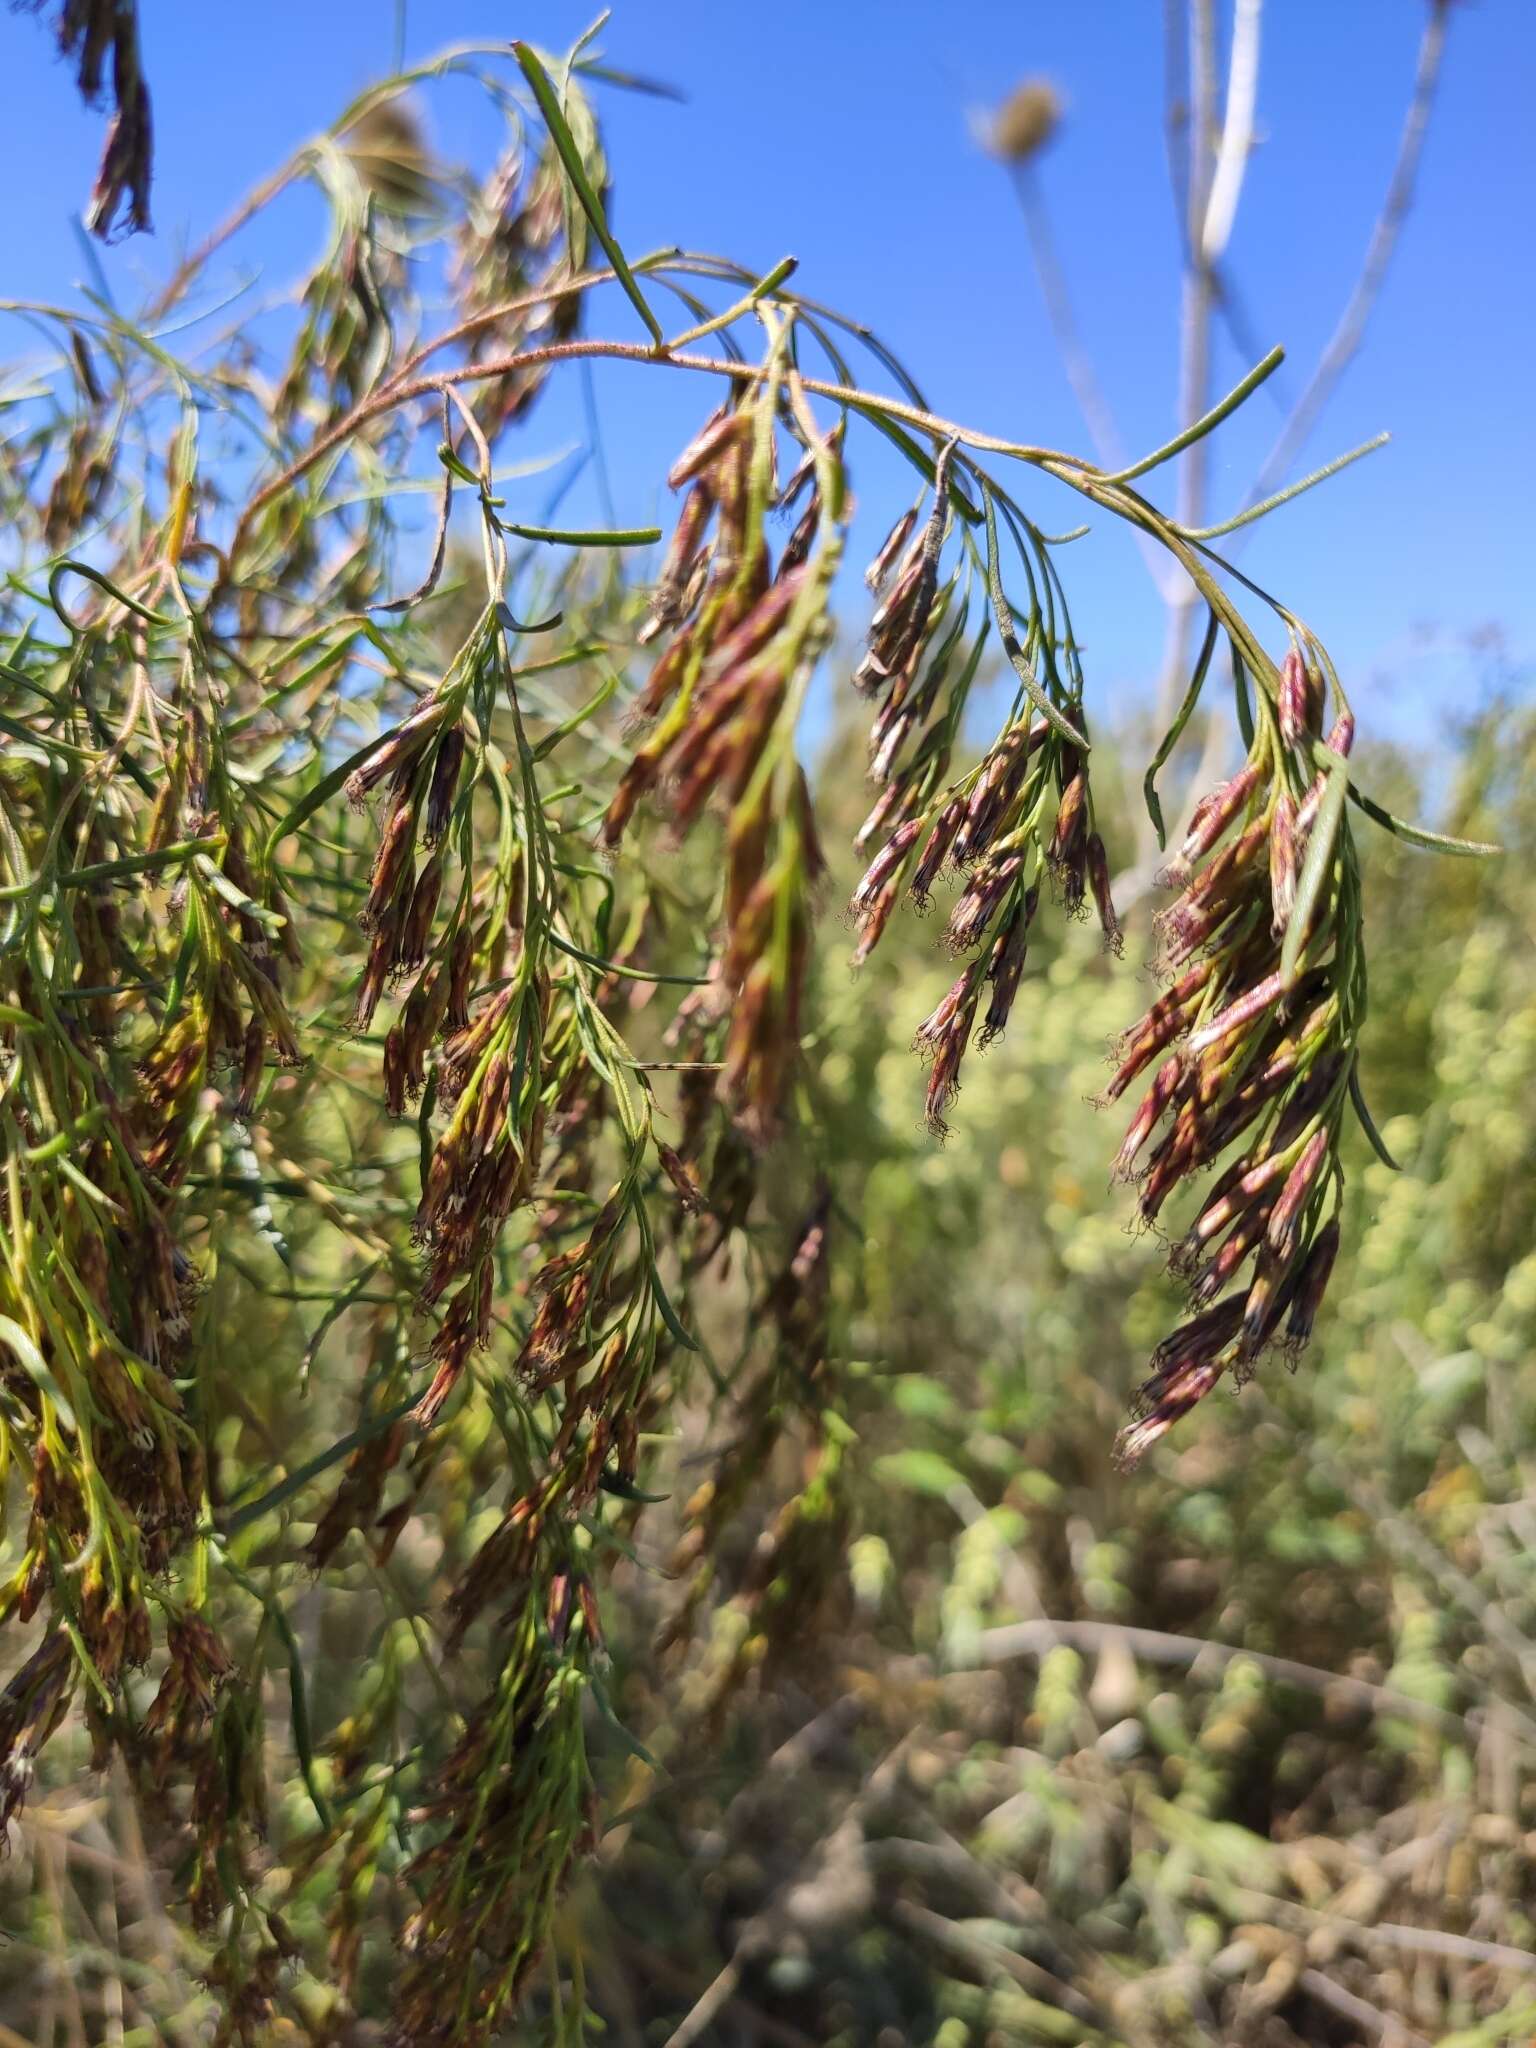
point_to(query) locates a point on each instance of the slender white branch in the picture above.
(1237, 130)
(1350, 332)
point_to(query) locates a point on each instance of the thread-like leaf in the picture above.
(321, 793)
(1175, 731)
(1010, 638)
(32, 1362)
(1420, 835)
(570, 156)
(1368, 1122)
(1314, 868)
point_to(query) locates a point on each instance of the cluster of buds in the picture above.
(92, 32)
(347, 337)
(115, 1470)
(1023, 814)
(745, 635)
(239, 934)
(913, 666)
(798, 1560)
(421, 763)
(376, 182)
(81, 484)
(197, 1667)
(485, 1163)
(203, 1732)
(1253, 1046)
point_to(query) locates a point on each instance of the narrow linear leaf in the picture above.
(1240, 697)
(630, 1740)
(768, 282)
(1306, 483)
(1420, 835)
(333, 1314)
(920, 460)
(626, 973)
(578, 719)
(570, 156)
(1175, 731)
(36, 1367)
(1010, 638)
(136, 863)
(630, 81)
(511, 625)
(73, 568)
(39, 741)
(440, 544)
(1367, 1121)
(320, 793)
(626, 1489)
(241, 1518)
(668, 1313)
(298, 1688)
(588, 536)
(236, 897)
(1314, 869)
(1199, 428)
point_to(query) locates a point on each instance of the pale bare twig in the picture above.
(1033, 1638)
(1236, 131)
(1345, 341)
(1349, 2006)
(990, 1957)
(1436, 1941)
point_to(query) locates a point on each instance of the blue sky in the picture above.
(841, 133)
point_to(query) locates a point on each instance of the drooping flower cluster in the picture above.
(726, 692)
(1021, 817)
(1253, 1043)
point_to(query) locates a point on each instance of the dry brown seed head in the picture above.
(1026, 121)
(890, 548)
(1311, 1283)
(723, 432)
(445, 781)
(1098, 882)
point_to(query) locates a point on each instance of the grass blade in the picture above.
(1010, 638)
(1315, 867)
(570, 156)
(1175, 731)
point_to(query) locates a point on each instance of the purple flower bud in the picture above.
(1341, 735)
(1253, 1004)
(1215, 812)
(1298, 697)
(445, 781)
(880, 568)
(1286, 1217)
(721, 431)
(1311, 1284)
